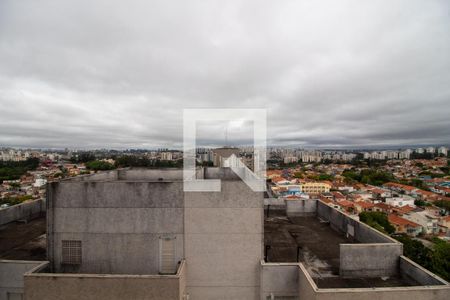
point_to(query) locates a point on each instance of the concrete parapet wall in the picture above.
(142, 174)
(354, 228)
(11, 276)
(279, 279)
(369, 260)
(50, 286)
(308, 290)
(410, 269)
(221, 173)
(23, 211)
(301, 207)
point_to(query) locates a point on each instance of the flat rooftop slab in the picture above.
(317, 247)
(23, 241)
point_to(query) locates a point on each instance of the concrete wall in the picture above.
(221, 173)
(301, 207)
(23, 211)
(274, 204)
(369, 260)
(409, 269)
(119, 224)
(224, 242)
(279, 279)
(143, 174)
(99, 176)
(343, 223)
(11, 276)
(308, 290)
(48, 286)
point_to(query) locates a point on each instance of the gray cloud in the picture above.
(118, 74)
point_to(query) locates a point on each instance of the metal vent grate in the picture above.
(71, 252)
(167, 256)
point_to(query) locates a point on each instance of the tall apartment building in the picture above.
(443, 150)
(221, 154)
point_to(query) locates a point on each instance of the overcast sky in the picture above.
(118, 74)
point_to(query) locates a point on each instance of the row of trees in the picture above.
(132, 161)
(368, 176)
(435, 259)
(12, 170)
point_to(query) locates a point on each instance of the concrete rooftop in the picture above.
(317, 245)
(23, 241)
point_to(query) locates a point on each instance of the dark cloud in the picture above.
(118, 74)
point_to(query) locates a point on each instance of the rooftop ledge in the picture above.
(42, 271)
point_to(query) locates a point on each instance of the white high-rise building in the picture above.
(443, 150)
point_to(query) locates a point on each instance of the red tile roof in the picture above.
(394, 219)
(364, 204)
(345, 203)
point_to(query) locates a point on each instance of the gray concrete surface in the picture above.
(223, 242)
(50, 286)
(309, 290)
(279, 279)
(301, 207)
(23, 211)
(410, 269)
(119, 224)
(369, 260)
(23, 241)
(355, 229)
(11, 276)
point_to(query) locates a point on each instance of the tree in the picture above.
(298, 175)
(436, 259)
(443, 204)
(99, 165)
(377, 220)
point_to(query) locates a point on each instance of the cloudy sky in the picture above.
(119, 73)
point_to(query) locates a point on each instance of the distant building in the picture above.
(400, 201)
(403, 225)
(315, 187)
(431, 150)
(429, 223)
(166, 155)
(443, 150)
(221, 154)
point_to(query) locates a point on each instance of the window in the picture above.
(71, 252)
(167, 263)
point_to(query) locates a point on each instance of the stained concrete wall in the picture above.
(11, 276)
(409, 269)
(274, 204)
(100, 176)
(49, 286)
(119, 224)
(342, 223)
(143, 174)
(369, 260)
(301, 207)
(279, 279)
(221, 173)
(224, 242)
(308, 290)
(23, 211)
